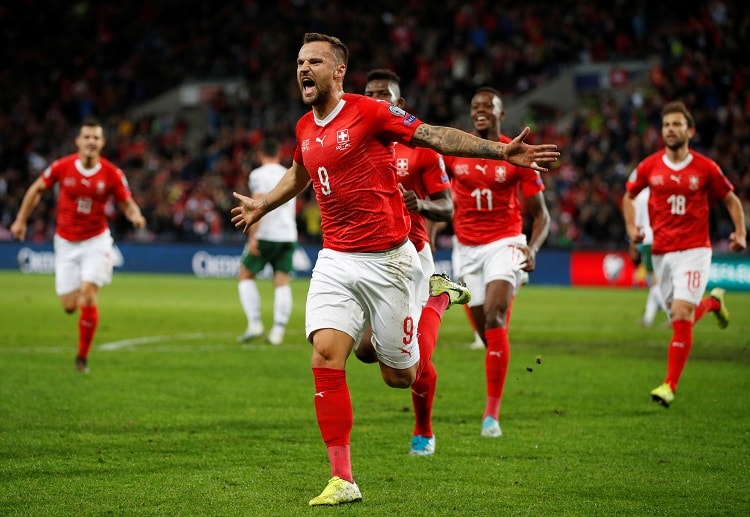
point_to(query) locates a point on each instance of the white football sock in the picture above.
(250, 301)
(282, 305)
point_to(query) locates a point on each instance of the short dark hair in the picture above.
(381, 74)
(270, 147)
(678, 107)
(489, 89)
(91, 122)
(340, 52)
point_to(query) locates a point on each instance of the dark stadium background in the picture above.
(186, 90)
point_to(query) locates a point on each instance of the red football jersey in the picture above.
(349, 157)
(83, 195)
(678, 205)
(485, 197)
(423, 171)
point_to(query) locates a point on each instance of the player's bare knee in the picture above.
(69, 302)
(401, 379)
(399, 382)
(496, 320)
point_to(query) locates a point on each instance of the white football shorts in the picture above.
(428, 269)
(683, 275)
(83, 261)
(349, 291)
(499, 260)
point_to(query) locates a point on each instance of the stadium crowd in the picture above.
(65, 61)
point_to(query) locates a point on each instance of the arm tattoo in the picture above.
(454, 142)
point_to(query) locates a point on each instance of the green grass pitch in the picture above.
(176, 418)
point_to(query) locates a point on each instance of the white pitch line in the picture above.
(125, 343)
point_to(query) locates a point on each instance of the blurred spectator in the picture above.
(110, 59)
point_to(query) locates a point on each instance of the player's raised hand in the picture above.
(522, 154)
(248, 212)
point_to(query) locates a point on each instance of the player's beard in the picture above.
(88, 156)
(676, 144)
(321, 94)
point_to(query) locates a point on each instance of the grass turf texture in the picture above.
(181, 420)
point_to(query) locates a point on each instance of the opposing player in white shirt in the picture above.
(272, 241)
(654, 301)
(368, 272)
(682, 184)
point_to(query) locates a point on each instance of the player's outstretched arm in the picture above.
(30, 199)
(132, 213)
(454, 142)
(635, 232)
(249, 210)
(738, 238)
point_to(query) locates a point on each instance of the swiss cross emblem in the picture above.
(342, 139)
(402, 166)
(500, 173)
(694, 183)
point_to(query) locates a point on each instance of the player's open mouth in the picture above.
(308, 86)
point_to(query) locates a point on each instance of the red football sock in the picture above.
(679, 350)
(496, 361)
(422, 396)
(429, 327)
(333, 409)
(87, 323)
(707, 304)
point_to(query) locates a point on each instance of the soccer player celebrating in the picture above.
(426, 189)
(83, 243)
(492, 249)
(368, 272)
(682, 182)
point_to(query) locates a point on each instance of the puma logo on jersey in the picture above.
(674, 178)
(320, 140)
(481, 168)
(319, 394)
(85, 182)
